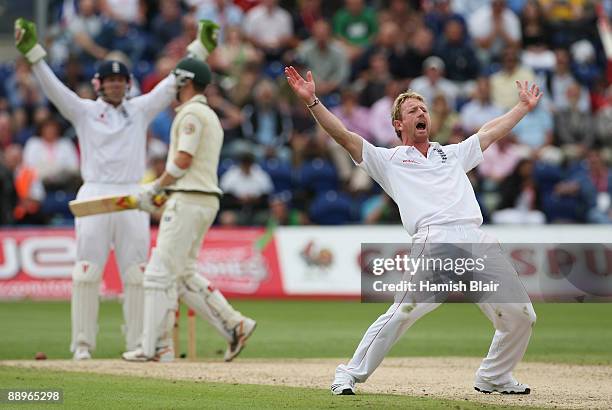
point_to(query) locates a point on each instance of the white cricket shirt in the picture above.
(112, 139)
(428, 191)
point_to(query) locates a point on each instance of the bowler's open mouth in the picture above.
(421, 125)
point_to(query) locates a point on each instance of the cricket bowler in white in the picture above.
(112, 138)
(190, 179)
(437, 204)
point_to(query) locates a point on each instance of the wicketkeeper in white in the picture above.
(191, 180)
(437, 205)
(112, 138)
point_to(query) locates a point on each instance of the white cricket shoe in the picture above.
(162, 354)
(240, 334)
(512, 387)
(81, 353)
(343, 385)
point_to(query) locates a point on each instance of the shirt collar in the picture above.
(195, 98)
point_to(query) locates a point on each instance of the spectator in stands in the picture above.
(234, 55)
(77, 36)
(21, 87)
(468, 7)
(224, 13)
(494, 28)
(6, 130)
(246, 188)
(229, 114)
(270, 28)
(8, 195)
(390, 41)
(121, 36)
(356, 26)
(536, 39)
(27, 124)
(241, 93)
(404, 13)
(443, 119)
(505, 79)
(421, 47)
(440, 14)
(458, 55)
(372, 82)
(480, 109)
(572, 125)
(585, 66)
(176, 48)
(354, 116)
(566, 18)
(325, 57)
(500, 160)
(28, 188)
(560, 79)
(433, 82)
(519, 197)
(596, 176)
(536, 128)
(281, 213)
(266, 122)
(53, 157)
(603, 121)
(124, 11)
(167, 23)
(305, 16)
(381, 127)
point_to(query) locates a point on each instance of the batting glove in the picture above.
(206, 40)
(26, 40)
(151, 198)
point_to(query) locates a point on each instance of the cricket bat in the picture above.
(111, 203)
(103, 205)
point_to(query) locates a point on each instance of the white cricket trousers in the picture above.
(126, 232)
(512, 321)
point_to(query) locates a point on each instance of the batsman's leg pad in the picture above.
(86, 277)
(133, 305)
(160, 305)
(197, 302)
(202, 297)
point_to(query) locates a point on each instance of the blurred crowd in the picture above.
(277, 166)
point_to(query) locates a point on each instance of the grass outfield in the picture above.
(565, 333)
(115, 392)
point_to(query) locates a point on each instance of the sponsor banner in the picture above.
(328, 261)
(37, 263)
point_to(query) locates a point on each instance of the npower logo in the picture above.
(40, 258)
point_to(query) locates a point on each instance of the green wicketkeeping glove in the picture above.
(26, 40)
(207, 33)
(206, 40)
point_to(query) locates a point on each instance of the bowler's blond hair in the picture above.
(396, 110)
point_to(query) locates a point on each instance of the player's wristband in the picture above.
(195, 49)
(174, 170)
(35, 54)
(315, 102)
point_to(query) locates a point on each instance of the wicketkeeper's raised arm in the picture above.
(162, 95)
(305, 89)
(500, 127)
(26, 41)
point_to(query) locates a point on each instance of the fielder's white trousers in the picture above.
(512, 321)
